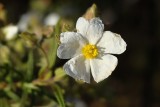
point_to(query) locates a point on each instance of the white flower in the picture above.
(10, 31)
(29, 19)
(89, 49)
(23, 22)
(52, 19)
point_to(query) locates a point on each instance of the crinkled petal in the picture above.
(92, 29)
(102, 67)
(95, 30)
(112, 43)
(71, 45)
(78, 68)
(82, 26)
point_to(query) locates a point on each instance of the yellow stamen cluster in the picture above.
(90, 51)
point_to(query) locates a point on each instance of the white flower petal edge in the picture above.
(78, 68)
(95, 30)
(112, 43)
(101, 68)
(92, 29)
(82, 25)
(71, 45)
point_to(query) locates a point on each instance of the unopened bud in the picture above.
(91, 12)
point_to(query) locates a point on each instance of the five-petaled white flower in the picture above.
(89, 49)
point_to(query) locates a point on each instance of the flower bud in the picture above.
(91, 12)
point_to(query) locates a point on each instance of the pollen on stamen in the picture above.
(90, 51)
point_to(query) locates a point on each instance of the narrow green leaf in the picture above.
(30, 86)
(52, 46)
(59, 96)
(49, 49)
(53, 52)
(59, 74)
(24, 97)
(30, 66)
(11, 94)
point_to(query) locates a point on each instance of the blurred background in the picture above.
(136, 80)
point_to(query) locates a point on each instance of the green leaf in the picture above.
(15, 104)
(4, 103)
(47, 75)
(24, 97)
(52, 53)
(59, 96)
(59, 74)
(30, 86)
(50, 46)
(44, 77)
(30, 66)
(11, 94)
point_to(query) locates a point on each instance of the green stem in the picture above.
(45, 55)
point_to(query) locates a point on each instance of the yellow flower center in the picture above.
(90, 51)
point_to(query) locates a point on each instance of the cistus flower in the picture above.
(90, 50)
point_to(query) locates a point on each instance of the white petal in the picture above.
(78, 68)
(95, 30)
(24, 21)
(28, 19)
(10, 31)
(82, 26)
(101, 68)
(112, 43)
(71, 45)
(52, 19)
